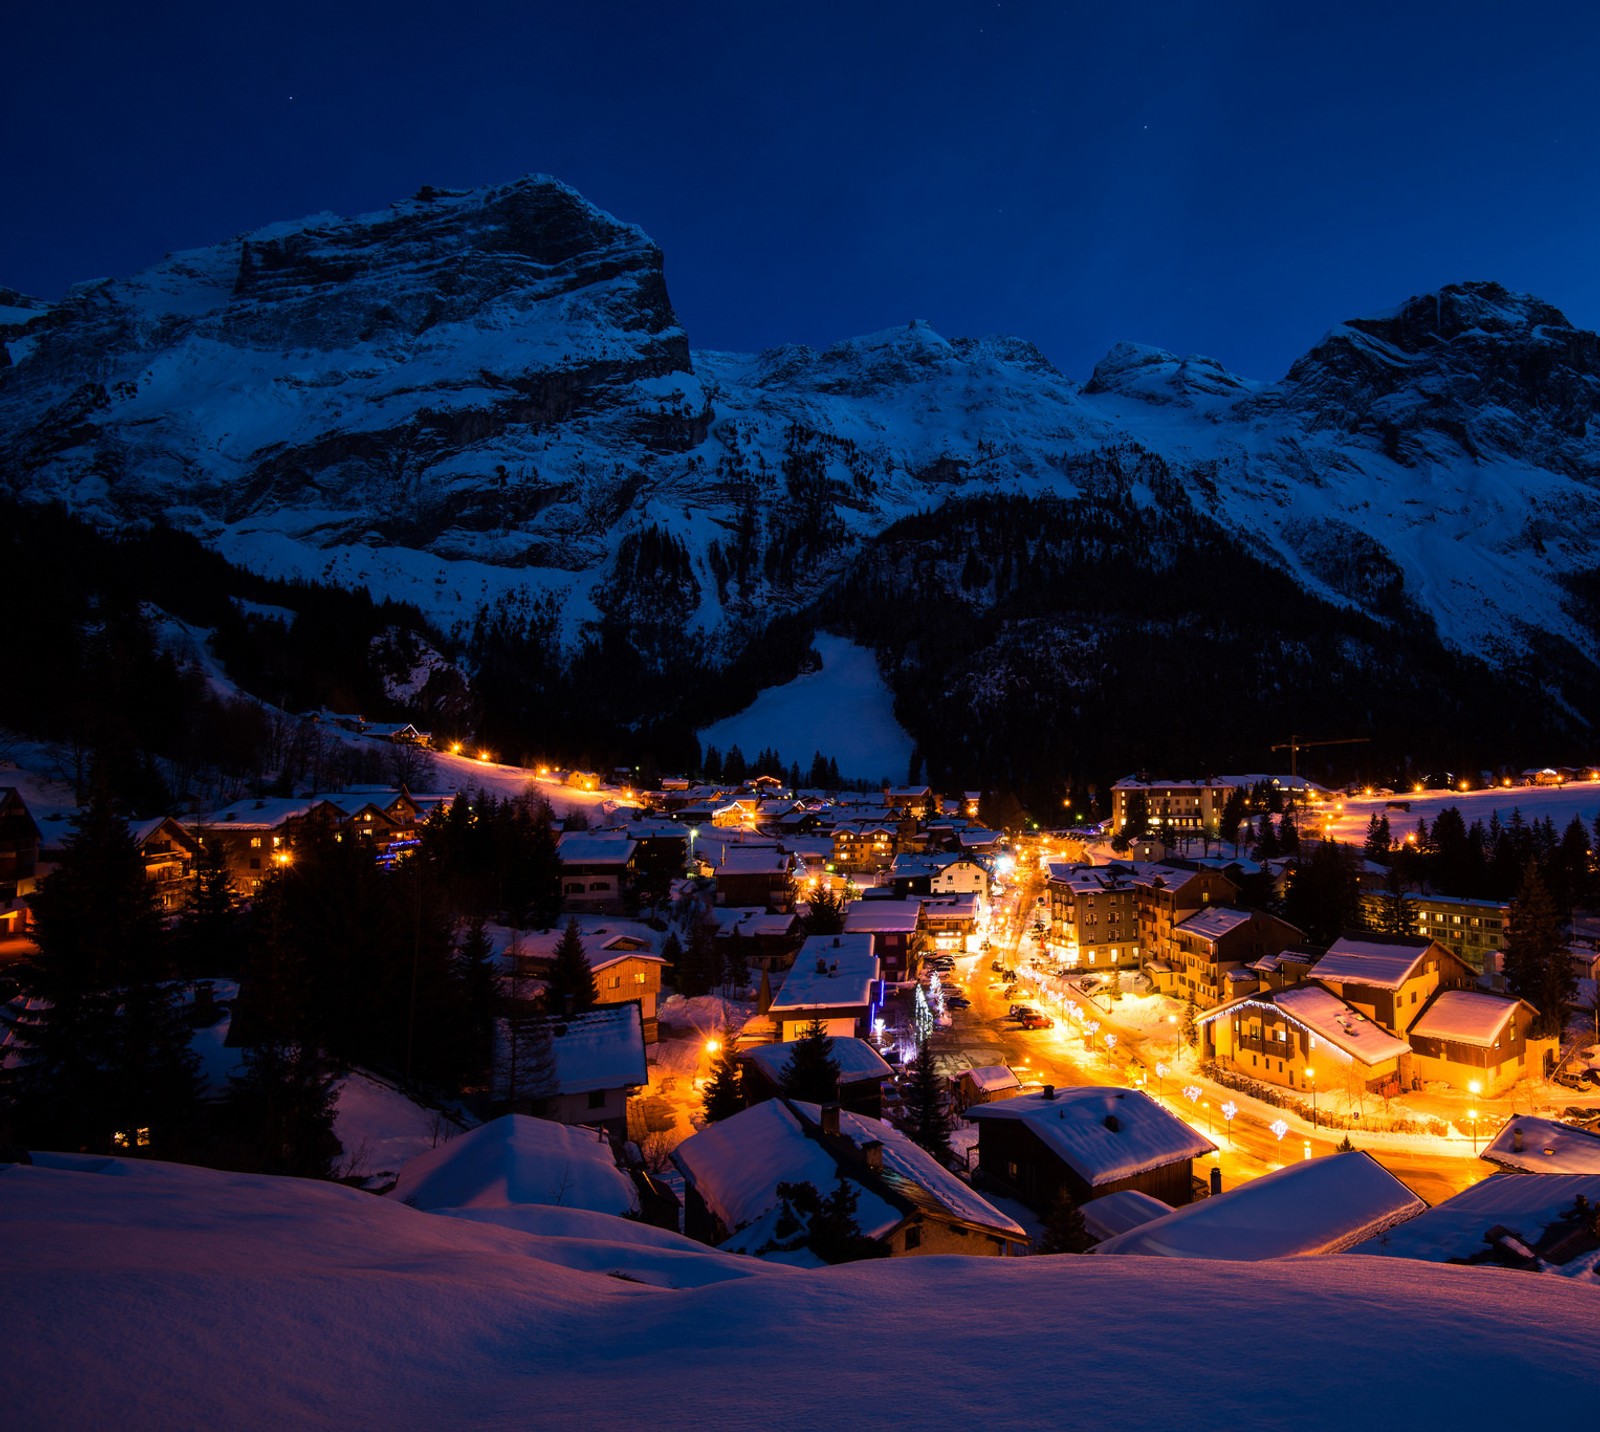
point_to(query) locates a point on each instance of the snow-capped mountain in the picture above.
(487, 392)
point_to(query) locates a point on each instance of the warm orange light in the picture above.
(483, 755)
(713, 1045)
(455, 748)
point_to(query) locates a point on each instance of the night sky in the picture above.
(1222, 178)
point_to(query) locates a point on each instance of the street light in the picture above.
(1229, 1109)
(1311, 1079)
(1161, 1076)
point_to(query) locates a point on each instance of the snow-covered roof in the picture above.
(753, 860)
(1383, 962)
(736, 1165)
(514, 1160)
(1465, 1016)
(855, 1057)
(595, 847)
(1455, 1229)
(602, 1048)
(752, 920)
(847, 969)
(992, 1078)
(1073, 1124)
(883, 916)
(1114, 1213)
(1342, 1025)
(1546, 1147)
(1214, 922)
(1321, 1205)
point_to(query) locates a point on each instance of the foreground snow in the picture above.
(144, 1295)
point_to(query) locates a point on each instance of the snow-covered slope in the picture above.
(147, 1295)
(481, 392)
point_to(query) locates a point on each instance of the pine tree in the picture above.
(735, 965)
(1267, 846)
(108, 1047)
(1379, 839)
(1397, 917)
(835, 1236)
(1190, 1028)
(1064, 1230)
(571, 980)
(281, 1112)
(1288, 835)
(209, 935)
(699, 963)
(927, 1113)
(480, 991)
(1536, 962)
(724, 1095)
(811, 1073)
(1232, 818)
(825, 913)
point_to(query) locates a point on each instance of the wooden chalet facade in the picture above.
(20, 840)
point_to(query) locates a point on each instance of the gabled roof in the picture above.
(1383, 961)
(753, 860)
(1316, 1206)
(516, 1160)
(1214, 922)
(883, 916)
(855, 1057)
(1465, 1016)
(1323, 1014)
(595, 847)
(1515, 1204)
(1546, 1146)
(848, 969)
(1073, 1124)
(602, 1048)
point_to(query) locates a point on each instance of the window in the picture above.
(255, 842)
(616, 982)
(639, 978)
(913, 1237)
(597, 1098)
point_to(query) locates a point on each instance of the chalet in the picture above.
(910, 800)
(755, 876)
(402, 733)
(627, 969)
(906, 1202)
(865, 847)
(898, 932)
(1317, 1206)
(1508, 1221)
(581, 1068)
(1472, 929)
(835, 979)
(1390, 977)
(1211, 942)
(771, 939)
(169, 851)
(1477, 1041)
(1092, 1140)
(950, 922)
(596, 869)
(985, 1084)
(862, 1073)
(1305, 1037)
(19, 861)
(1527, 1144)
(259, 836)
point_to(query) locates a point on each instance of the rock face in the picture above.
(484, 396)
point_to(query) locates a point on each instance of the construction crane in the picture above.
(1294, 745)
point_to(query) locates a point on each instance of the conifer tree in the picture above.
(1232, 818)
(735, 965)
(699, 963)
(1536, 962)
(811, 1073)
(1190, 1028)
(210, 931)
(572, 988)
(927, 1113)
(108, 1048)
(480, 989)
(1064, 1230)
(1379, 839)
(724, 1096)
(1398, 917)
(825, 913)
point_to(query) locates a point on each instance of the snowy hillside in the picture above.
(149, 1295)
(484, 396)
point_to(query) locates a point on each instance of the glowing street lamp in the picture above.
(1161, 1076)
(1279, 1128)
(1472, 1115)
(1229, 1109)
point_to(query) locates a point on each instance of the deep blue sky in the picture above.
(1227, 178)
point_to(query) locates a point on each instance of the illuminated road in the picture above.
(1059, 1055)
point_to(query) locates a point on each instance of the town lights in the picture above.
(713, 1046)
(455, 748)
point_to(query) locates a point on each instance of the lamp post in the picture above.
(1311, 1079)
(694, 831)
(1161, 1078)
(1229, 1109)
(1474, 1088)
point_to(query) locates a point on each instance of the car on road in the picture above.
(957, 1001)
(1017, 1011)
(1035, 1021)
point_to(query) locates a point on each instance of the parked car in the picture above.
(957, 1001)
(1020, 1011)
(1035, 1021)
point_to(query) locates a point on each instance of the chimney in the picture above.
(1048, 1092)
(872, 1153)
(1216, 1180)
(836, 942)
(830, 1120)
(1516, 1139)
